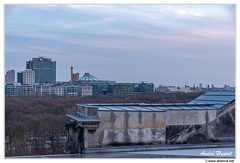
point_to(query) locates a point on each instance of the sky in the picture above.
(163, 44)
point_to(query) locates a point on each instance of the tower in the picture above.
(74, 77)
(71, 74)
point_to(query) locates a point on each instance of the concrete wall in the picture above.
(189, 117)
(170, 127)
(189, 126)
(128, 128)
(201, 126)
(223, 128)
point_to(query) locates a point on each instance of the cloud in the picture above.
(123, 36)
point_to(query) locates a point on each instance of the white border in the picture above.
(118, 2)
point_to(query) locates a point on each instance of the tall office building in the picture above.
(28, 76)
(19, 77)
(44, 68)
(10, 77)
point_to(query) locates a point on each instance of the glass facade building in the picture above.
(44, 68)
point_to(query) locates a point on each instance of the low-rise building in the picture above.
(13, 89)
(43, 90)
(57, 90)
(199, 121)
(27, 90)
(70, 90)
(85, 90)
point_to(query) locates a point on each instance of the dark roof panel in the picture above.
(218, 98)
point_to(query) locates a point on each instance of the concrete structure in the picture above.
(201, 120)
(44, 68)
(10, 77)
(28, 76)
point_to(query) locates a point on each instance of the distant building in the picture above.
(74, 77)
(28, 76)
(70, 90)
(125, 88)
(57, 90)
(13, 89)
(44, 68)
(43, 90)
(174, 89)
(85, 90)
(27, 90)
(20, 77)
(10, 77)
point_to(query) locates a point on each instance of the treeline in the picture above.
(35, 125)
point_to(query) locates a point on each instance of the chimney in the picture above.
(71, 74)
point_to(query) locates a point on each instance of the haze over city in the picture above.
(163, 44)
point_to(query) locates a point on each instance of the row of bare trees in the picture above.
(35, 125)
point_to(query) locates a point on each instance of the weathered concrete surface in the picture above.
(209, 125)
(189, 117)
(118, 128)
(129, 128)
(223, 127)
(72, 145)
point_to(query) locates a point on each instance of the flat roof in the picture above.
(148, 107)
(208, 101)
(218, 98)
(80, 117)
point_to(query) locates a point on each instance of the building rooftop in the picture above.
(218, 98)
(83, 118)
(207, 101)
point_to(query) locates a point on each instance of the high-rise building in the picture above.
(19, 77)
(10, 77)
(28, 76)
(44, 68)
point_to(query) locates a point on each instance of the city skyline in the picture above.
(163, 44)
